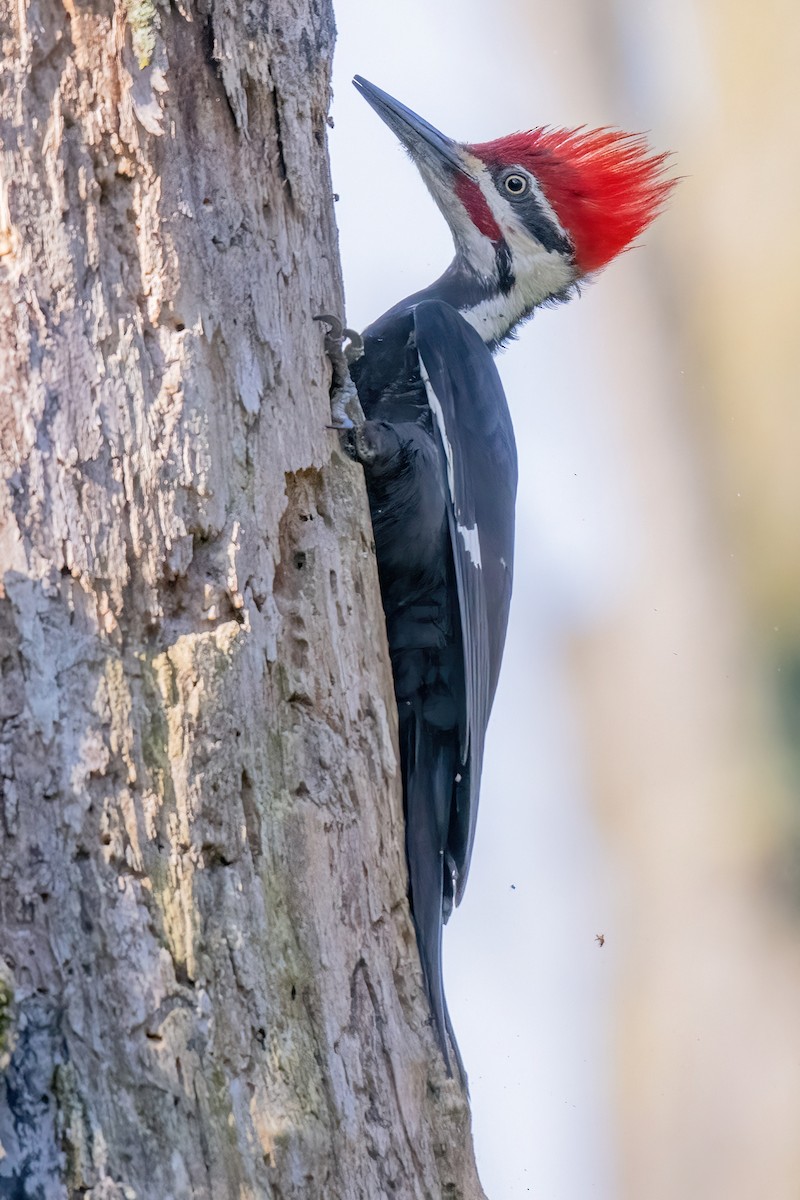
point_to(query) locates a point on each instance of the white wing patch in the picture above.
(436, 409)
(468, 533)
(472, 543)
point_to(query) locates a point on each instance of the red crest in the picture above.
(604, 185)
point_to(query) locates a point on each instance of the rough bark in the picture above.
(209, 983)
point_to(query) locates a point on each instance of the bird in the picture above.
(533, 216)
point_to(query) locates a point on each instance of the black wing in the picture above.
(476, 440)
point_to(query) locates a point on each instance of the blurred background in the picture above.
(642, 770)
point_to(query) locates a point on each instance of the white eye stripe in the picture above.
(533, 187)
(547, 208)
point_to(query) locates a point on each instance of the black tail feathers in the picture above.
(429, 770)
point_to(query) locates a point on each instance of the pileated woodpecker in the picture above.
(531, 215)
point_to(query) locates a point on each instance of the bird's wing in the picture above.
(476, 439)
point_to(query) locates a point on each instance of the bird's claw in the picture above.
(344, 402)
(346, 411)
(340, 340)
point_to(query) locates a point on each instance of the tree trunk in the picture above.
(209, 983)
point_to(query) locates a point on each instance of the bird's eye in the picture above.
(515, 185)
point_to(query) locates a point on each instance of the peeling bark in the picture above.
(209, 983)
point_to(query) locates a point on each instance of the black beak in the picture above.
(423, 142)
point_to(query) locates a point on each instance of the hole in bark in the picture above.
(294, 992)
(215, 856)
(300, 560)
(182, 977)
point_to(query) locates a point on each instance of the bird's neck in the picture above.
(495, 306)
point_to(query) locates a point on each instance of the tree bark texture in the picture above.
(209, 983)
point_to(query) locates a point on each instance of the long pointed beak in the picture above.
(425, 144)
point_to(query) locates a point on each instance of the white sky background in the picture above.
(529, 989)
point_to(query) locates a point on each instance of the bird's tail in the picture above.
(429, 770)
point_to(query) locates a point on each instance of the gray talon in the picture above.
(344, 401)
(354, 350)
(346, 411)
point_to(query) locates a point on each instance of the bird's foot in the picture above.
(374, 443)
(346, 410)
(343, 346)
